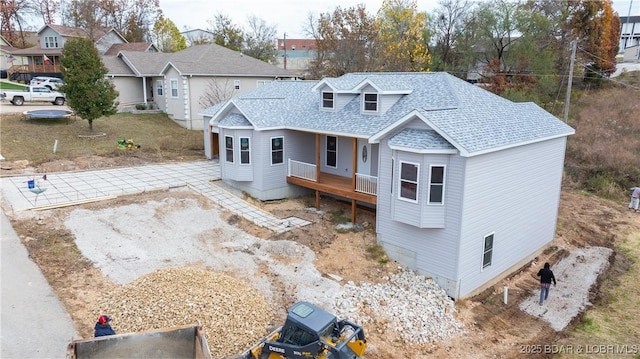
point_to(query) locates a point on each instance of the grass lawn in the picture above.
(11, 86)
(160, 138)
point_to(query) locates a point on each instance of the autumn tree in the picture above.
(226, 33)
(346, 42)
(403, 37)
(167, 36)
(259, 40)
(12, 20)
(89, 93)
(597, 30)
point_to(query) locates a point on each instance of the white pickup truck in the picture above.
(33, 94)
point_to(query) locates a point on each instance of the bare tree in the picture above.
(259, 40)
(217, 91)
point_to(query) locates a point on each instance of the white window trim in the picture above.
(51, 42)
(240, 150)
(174, 81)
(236, 84)
(326, 152)
(272, 150)
(364, 102)
(160, 88)
(493, 246)
(233, 155)
(400, 180)
(333, 100)
(444, 181)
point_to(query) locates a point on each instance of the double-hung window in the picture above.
(371, 102)
(51, 42)
(409, 173)
(332, 151)
(436, 185)
(236, 84)
(327, 100)
(228, 145)
(487, 254)
(159, 87)
(245, 151)
(174, 88)
(277, 150)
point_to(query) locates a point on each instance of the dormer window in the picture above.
(327, 100)
(51, 42)
(371, 102)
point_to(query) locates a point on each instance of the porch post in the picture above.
(144, 88)
(354, 165)
(318, 168)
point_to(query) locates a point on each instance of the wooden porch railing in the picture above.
(302, 170)
(34, 68)
(366, 184)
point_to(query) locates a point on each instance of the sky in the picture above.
(290, 16)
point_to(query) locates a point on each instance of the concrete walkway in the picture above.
(70, 188)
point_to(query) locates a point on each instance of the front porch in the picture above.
(359, 188)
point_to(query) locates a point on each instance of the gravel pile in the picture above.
(233, 315)
(411, 305)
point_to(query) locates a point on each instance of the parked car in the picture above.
(33, 94)
(52, 83)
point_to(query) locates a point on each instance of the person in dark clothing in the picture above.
(103, 327)
(546, 276)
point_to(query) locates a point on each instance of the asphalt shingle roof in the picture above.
(202, 60)
(467, 116)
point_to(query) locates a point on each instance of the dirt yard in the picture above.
(492, 329)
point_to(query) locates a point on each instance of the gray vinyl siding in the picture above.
(236, 171)
(420, 214)
(344, 162)
(387, 101)
(268, 182)
(514, 194)
(430, 251)
(339, 100)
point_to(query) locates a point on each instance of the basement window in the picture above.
(487, 254)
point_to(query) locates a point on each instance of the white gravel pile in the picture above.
(411, 305)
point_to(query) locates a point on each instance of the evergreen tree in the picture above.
(89, 93)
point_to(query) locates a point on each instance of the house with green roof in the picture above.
(465, 184)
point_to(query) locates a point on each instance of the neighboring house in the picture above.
(44, 58)
(7, 59)
(295, 54)
(631, 54)
(630, 33)
(465, 184)
(198, 37)
(176, 82)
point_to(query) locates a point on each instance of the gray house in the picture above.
(176, 82)
(466, 184)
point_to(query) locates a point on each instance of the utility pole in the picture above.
(284, 44)
(567, 100)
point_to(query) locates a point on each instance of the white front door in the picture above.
(364, 157)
